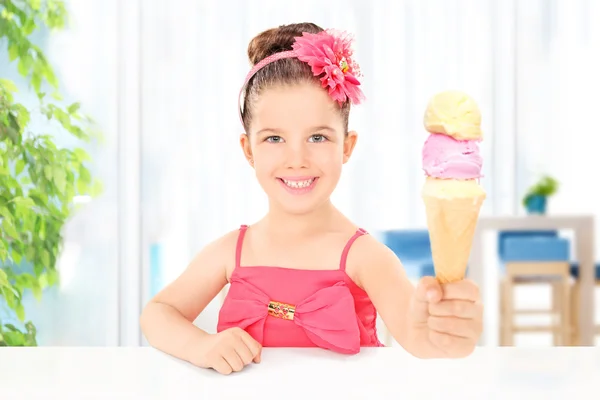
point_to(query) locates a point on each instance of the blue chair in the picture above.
(575, 302)
(535, 257)
(413, 248)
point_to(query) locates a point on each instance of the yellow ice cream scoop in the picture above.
(455, 114)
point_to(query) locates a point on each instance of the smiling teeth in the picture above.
(298, 184)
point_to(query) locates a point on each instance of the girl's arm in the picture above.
(445, 325)
(376, 269)
(167, 320)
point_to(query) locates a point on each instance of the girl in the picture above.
(304, 275)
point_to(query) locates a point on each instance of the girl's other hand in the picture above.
(227, 351)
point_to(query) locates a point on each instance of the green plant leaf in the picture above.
(8, 85)
(36, 81)
(3, 278)
(9, 228)
(56, 96)
(20, 166)
(30, 335)
(84, 174)
(28, 27)
(36, 290)
(20, 311)
(51, 78)
(24, 64)
(81, 155)
(16, 256)
(13, 52)
(73, 108)
(10, 294)
(30, 253)
(41, 229)
(25, 202)
(45, 258)
(53, 277)
(11, 328)
(38, 268)
(59, 176)
(35, 4)
(43, 280)
(9, 132)
(14, 338)
(3, 252)
(48, 172)
(5, 213)
(97, 189)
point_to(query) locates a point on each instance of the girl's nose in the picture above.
(297, 156)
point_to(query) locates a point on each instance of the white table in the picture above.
(581, 225)
(375, 373)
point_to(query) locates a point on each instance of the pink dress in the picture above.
(285, 307)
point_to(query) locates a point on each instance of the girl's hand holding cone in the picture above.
(448, 316)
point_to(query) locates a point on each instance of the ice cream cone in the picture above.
(453, 197)
(452, 209)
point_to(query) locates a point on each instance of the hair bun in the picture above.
(276, 40)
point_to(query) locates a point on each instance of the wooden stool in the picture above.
(535, 258)
(576, 302)
(556, 274)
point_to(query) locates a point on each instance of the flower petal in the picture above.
(350, 78)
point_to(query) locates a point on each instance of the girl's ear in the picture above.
(246, 148)
(349, 143)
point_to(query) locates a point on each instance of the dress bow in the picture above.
(327, 316)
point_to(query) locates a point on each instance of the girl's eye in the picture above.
(274, 139)
(318, 138)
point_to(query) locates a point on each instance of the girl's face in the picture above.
(297, 146)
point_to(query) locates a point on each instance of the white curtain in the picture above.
(532, 67)
(194, 60)
(558, 82)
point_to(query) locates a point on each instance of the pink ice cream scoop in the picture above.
(447, 158)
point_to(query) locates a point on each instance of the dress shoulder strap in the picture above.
(240, 243)
(346, 250)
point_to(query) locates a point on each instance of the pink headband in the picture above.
(329, 53)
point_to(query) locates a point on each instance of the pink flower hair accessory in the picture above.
(329, 54)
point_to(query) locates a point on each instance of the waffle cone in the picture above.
(451, 223)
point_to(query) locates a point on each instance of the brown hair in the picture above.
(286, 71)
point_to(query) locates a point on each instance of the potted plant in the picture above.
(536, 199)
(38, 178)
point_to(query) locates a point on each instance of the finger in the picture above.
(461, 290)
(245, 354)
(233, 359)
(456, 308)
(465, 328)
(453, 346)
(222, 366)
(428, 290)
(254, 347)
